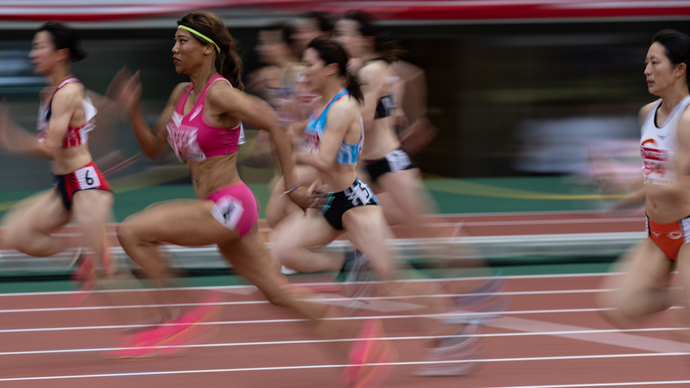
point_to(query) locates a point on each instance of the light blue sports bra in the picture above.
(348, 153)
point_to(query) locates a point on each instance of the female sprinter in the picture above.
(306, 27)
(389, 168)
(81, 191)
(334, 137)
(202, 123)
(643, 289)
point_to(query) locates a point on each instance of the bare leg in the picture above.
(92, 209)
(366, 229)
(28, 228)
(280, 206)
(643, 288)
(180, 222)
(294, 237)
(250, 257)
(408, 196)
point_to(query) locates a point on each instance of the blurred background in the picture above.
(514, 90)
(523, 92)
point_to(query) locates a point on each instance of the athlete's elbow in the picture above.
(324, 166)
(151, 154)
(46, 150)
(152, 151)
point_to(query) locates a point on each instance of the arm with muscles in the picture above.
(418, 131)
(631, 200)
(372, 79)
(682, 162)
(152, 143)
(638, 196)
(295, 131)
(259, 114)
(15, 138)
(339, 120)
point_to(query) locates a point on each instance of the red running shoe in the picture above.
(372, 359)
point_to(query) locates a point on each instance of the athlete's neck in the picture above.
(200, 78)
(671, 100)
(330, 92)
(59, 73)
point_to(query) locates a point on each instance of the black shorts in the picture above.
(397, 160)
(358, 194)
(88, 177)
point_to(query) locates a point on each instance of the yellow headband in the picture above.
(200, 35)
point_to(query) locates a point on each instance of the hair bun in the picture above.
(77, 54)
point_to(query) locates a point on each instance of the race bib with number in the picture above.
(88, 178)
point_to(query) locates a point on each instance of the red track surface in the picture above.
(505, 224)
(552, 335)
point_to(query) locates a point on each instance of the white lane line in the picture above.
(318, 284)
(301, 342)
(601, 220)
(575, 332)
(302, 367)
(334, 300)
(291, 320)
(628, 384)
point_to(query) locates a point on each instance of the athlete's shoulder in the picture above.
(180, 88)
(685, 118)
(71, 89)
(69, 96)
(644, 111)
(220, 89)
(348, 105)
(373, 68)
(178, 91)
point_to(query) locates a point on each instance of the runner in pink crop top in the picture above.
(193, 138)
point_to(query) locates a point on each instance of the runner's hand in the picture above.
(307, 198)
(130, 93)
(118, 82)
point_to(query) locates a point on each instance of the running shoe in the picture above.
(174, 338)
(357, 284)
(85, 276)
(454, 356)
(191, 328)
(139, 345)
(484, 303)
(109, 265)
(372, 359)
(87, 267)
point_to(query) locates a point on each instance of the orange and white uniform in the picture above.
(657, 148)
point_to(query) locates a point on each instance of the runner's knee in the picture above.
(126, 234)
(279, 298)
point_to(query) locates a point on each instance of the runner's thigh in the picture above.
(45, 214)
(180, 222)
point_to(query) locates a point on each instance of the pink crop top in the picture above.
(193, 138)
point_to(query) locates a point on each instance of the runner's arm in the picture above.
(152, 142)
(259, 114)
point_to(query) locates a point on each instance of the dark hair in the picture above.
(211, 26)
(332, 52)
(287, 32)
(64, 38)
(387, 49)
(676, 48)
(322, 21)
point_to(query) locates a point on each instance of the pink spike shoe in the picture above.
(371, 359)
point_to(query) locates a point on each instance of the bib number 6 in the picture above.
(88, 177)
